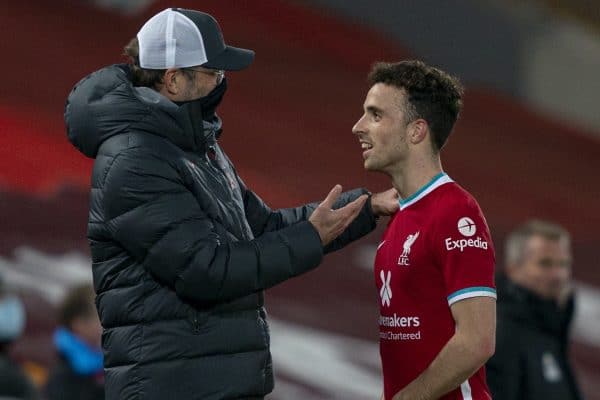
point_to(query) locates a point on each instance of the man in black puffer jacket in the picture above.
(535, 310)
(181, 248)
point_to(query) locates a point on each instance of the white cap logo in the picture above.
(466, 226)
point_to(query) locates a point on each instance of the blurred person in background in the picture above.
(181, 248)
(78, 375)
(434, 267)
(14, 383)
(535, 310)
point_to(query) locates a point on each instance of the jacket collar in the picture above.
(519, 303)
(191, 125)
(202, 119)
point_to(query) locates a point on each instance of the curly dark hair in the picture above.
(432, 94)
(143, 76)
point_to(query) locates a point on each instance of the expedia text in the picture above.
(461, 244)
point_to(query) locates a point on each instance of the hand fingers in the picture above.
(345, 215)
(355, 206)
(350, 211)
(331, 197)
(358, 204)
(357, 209)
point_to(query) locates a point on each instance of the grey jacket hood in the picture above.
(105, 104)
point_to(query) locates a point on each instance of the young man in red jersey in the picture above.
(435, 264)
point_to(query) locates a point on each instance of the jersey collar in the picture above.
(433, 184)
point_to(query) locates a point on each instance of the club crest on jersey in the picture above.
(410, 240)
(467, 228)
(386, 290)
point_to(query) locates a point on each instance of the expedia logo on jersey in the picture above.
(467, 228)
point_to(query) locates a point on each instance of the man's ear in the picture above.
(419, 131)
(171, 80)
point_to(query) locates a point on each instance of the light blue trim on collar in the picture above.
(434, 183)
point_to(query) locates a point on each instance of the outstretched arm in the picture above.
(262, 219)
(151, 214)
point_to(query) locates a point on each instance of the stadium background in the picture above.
(527, 145)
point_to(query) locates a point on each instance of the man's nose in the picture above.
(560, 272)
(358, 127)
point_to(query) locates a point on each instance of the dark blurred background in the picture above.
(527, 145)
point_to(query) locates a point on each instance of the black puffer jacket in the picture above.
(531, 360)
(181, 248)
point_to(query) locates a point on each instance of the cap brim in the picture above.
(231, 59)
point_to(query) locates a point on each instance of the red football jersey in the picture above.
(436, 250)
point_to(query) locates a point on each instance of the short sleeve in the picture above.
(466, 253)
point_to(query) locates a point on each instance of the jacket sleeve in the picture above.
(262, 219)
(504, 371)
(150, 212)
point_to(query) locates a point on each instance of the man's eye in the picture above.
(376, 116)
(545, 263)
(549, 263)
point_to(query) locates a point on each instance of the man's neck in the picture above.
(416, 175)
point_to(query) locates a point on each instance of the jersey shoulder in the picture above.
(453, 195)
(454, 208)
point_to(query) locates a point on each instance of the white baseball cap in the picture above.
(180, 38)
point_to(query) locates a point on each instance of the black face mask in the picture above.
(203, 117)
(209, 103)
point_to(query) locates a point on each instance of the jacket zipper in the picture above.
(196, 324)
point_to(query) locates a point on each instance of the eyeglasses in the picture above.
(218, 72)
